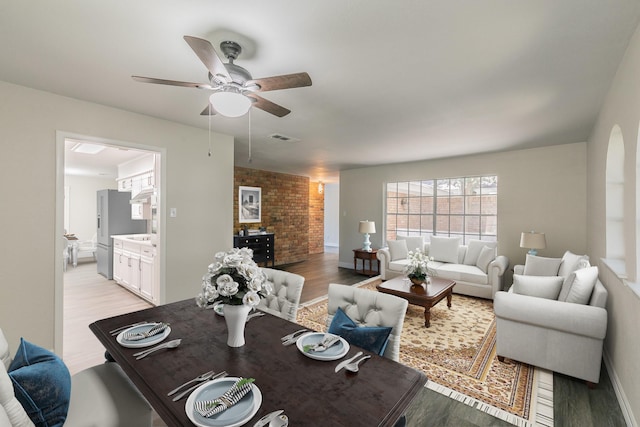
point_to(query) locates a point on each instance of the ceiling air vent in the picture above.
(284, 138)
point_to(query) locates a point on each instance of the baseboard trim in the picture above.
(625, 406)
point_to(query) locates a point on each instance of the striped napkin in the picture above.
(207, 408)
(137, 336)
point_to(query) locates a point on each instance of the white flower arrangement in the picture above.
(234, 279)
(418, 266)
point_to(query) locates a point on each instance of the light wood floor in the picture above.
(89, 297)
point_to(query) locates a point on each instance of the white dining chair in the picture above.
(66, 253)
(85, 247)
(370, 308)
(101, 396)
(285, 299)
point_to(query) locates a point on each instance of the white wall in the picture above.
(331, 215)
(622, 108)
(200, 187)
(82, 203)
(542, 189)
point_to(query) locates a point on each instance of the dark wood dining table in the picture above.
(308, 390)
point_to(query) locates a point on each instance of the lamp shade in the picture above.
(367, 227)
(230, 103)
(533, 240)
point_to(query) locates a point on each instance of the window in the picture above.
(615, 196)
(465, 207)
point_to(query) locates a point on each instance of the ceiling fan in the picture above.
(234, 90)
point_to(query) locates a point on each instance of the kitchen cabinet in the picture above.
(147, 260)
(134, 266)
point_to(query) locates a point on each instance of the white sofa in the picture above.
(474, 276)
(539, 323)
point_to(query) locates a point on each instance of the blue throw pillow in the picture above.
(42, 384)
(371, 338)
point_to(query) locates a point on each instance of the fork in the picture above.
(326, 342)
(199, 378)
(193, 387)
(293, 334)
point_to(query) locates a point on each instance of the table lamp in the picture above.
(366, 228)
(533, 241)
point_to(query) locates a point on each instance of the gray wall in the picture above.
(200, 187)
(621, 107)
(542, 189)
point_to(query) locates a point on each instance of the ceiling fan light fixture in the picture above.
(230, 103)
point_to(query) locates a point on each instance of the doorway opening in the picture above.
(120, 171)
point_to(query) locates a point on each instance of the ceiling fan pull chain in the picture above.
(209, 134)
(250, 159)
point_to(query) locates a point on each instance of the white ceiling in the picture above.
(393, 81)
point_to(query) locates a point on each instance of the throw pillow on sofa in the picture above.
(444, 249)
(572, 262)
(414, 243)
(397, 249)
(582, 286)
(537, 286)
(487, 254)
(541, 266)
(473, 250)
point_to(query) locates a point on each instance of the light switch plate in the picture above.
(173, 212)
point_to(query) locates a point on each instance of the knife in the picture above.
(267, 418)
(346, 362)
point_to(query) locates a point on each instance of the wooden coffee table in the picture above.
(425, 295)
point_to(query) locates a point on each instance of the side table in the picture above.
(364, 256)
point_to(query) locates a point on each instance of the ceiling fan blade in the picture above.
(286, 81)
(268, 106)
(207, 54)
(171, 82)
(208, 111)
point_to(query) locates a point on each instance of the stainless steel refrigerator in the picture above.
(114, 217)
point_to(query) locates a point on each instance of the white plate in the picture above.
(237, 415)
(146, 342)
(335, 352)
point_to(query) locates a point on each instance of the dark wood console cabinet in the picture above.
(263, 246)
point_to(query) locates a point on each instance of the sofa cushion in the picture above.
(537, 286)
(398, 265)
(541, 266)
(370, 338)
(414, 243)
(397, 249)
(473, 250)
(582, 286)
(572, 262)
(444, 249)
(42, 384)
(487, 254)
(461, 272)
(568, 280)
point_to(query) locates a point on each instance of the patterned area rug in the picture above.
(457, 353)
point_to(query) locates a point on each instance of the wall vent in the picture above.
(283, 138)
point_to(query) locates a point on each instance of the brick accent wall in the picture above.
(316, 219)
(286, 211)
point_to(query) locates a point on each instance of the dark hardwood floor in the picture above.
(318, 271)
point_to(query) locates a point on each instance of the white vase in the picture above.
(236, 317)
